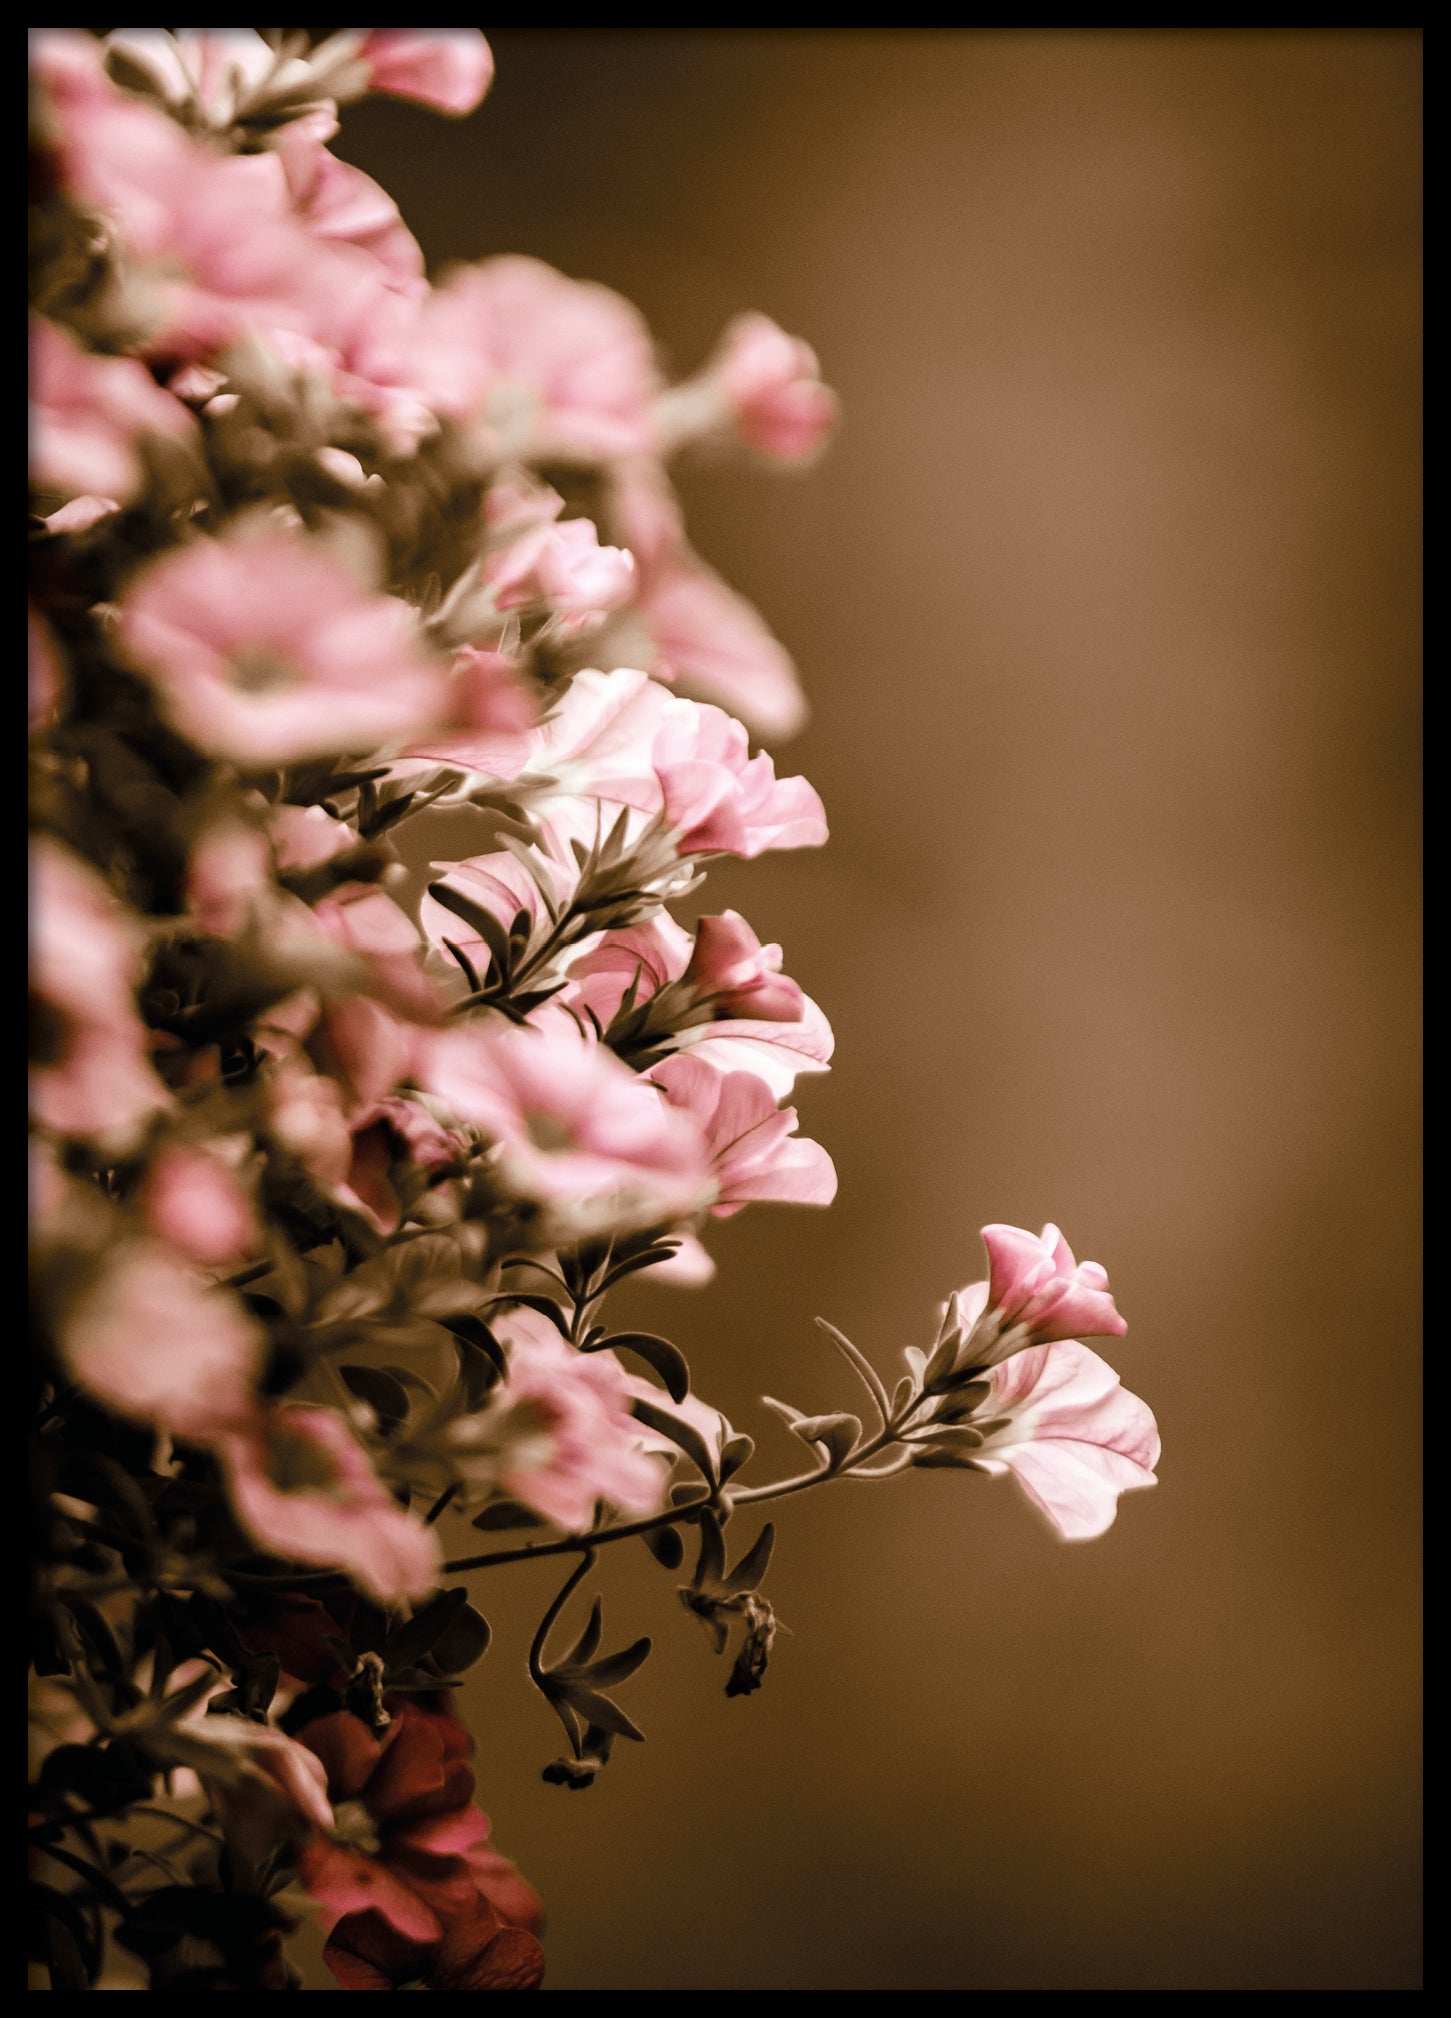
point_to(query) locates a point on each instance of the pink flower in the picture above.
(740, 975)
(722, 800)
(155, 1342)
(700, 631)
(92, 1076)
(340, 205)
(1073, 1437)
(738, 1036)
(573, 1438)
(229, 873)
(88, 416)
(448, 68)
(772, 385)
(206, 72)
(753, 1150)
(576, 1130)
(1035, 1282)
(266, 650)
(303, 1489)
(554, 367)
(194, 1200)
(561, 564)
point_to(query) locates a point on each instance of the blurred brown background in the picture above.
(1107, 600)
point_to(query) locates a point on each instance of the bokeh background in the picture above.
(1107, 600)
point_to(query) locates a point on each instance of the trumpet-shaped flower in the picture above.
(302, 1487)
(772, 385)
(754, 1151)
(447, 68)
(268, 651)
(1057, 1418)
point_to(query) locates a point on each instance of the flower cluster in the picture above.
(345, 1126)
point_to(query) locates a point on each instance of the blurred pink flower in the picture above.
(576, 1130)
(447, 68)
(340, 205)
(551, 366)
(302, 1487)
(575, 1440)
(772, 384)
(88, 414)
(1071, 1435)
(753, 1150)
(1035, 1282)
(266, 650)
(229, 871)
(195, 1200)
(700, 630)
(92, 1076)
(532, 556)
(157, 1343)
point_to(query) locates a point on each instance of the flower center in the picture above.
(353, 1825)
(258, 671)
(547, 1131)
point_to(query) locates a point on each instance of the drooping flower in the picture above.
(1036, 1284)
(576, 1131)
(1056, 1417)
(91, 1075)
(266, 650)
(302, 1487)
(447, 68)
(408, 1888)
(88, 417)
(754, 1152)
(157, 1343)
(561, 1428)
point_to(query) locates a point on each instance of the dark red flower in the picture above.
(406, 1885)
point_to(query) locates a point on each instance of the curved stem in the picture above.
(562, 1597)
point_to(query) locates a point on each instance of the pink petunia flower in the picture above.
(754, 1152)
(1036, 1284)
(568, 1436)
(88, 416)
(408, 1888)
(303, 1489)
(265, 650)
(552, 367)
(721, 799)
(1058, 1419)
(154, 1341)
(91, 1075)
(740, 975)
(576, 1131)
(194, 1199)
(447, 68)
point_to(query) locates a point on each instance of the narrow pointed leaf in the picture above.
(683, 1435)
(752, 1567)
(613, 1669)
(667, 1359)
(666, 1545)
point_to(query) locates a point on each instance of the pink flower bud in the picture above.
(1035, 1282)
(772, 385)
(742, 976)
(447, 68)
(578, 575)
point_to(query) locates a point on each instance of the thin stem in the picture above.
(566, 1590)
(449, 1492)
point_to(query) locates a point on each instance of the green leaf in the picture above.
(588, 1640)
(480, 918)
(67, 1970)
(839, 1434)
(421, 1634)
(667, 1359)
(612, 1669)
(666, 1545)
(466, 966)
(683, 1435)
(600, 1710)
(507, 1513)
(547, 1307)
(710, 1566)
(462, 1642)
(735, 1451)
(752, 1567)
(384, 1394)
